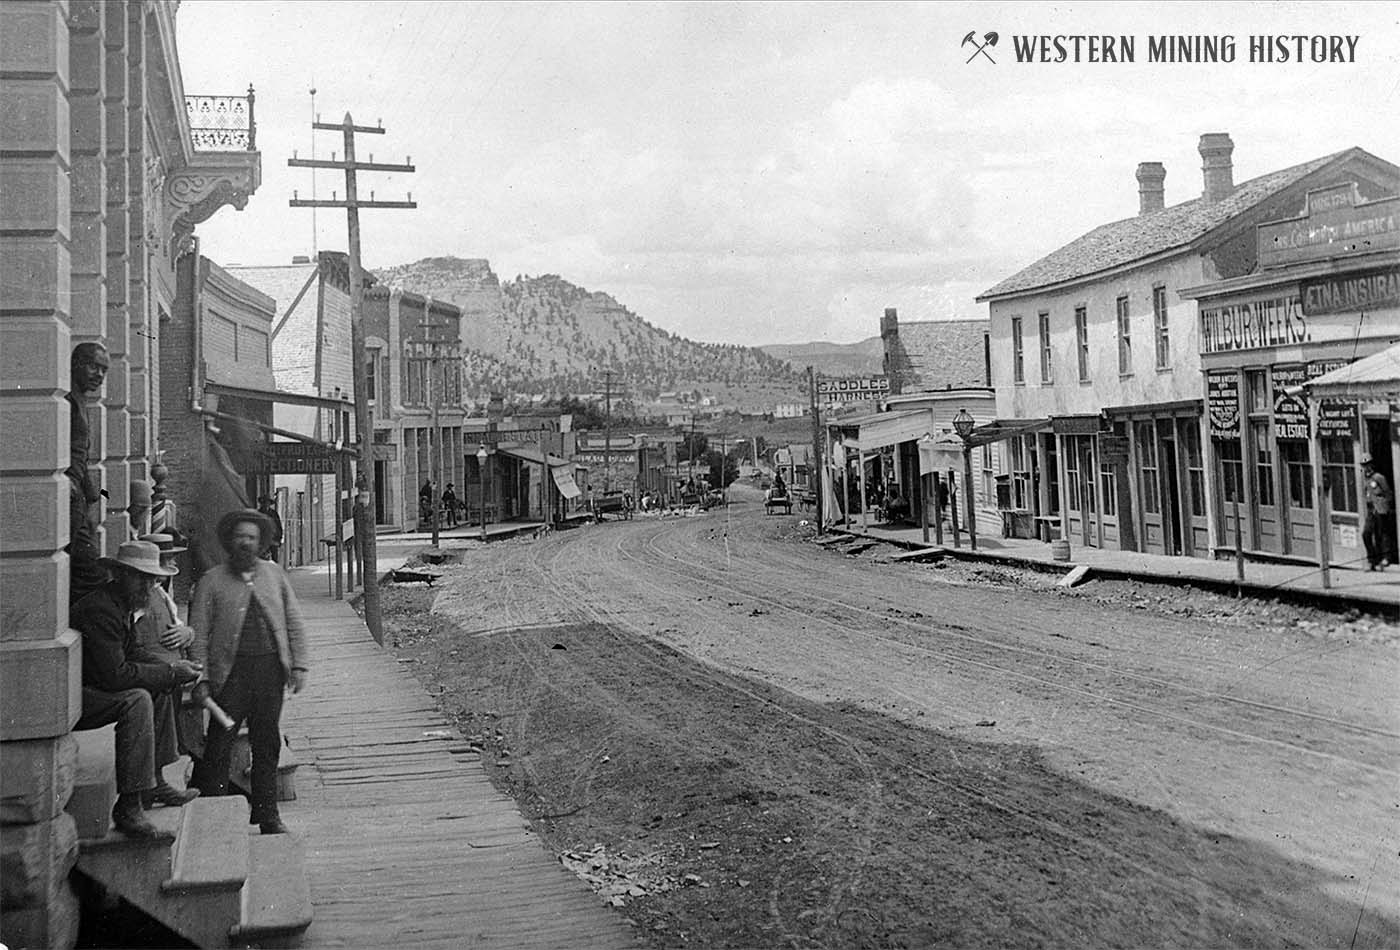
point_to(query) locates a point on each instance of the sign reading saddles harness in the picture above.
(853, 388)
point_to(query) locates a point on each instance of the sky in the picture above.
(762, 172)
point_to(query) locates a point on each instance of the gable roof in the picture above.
(1144, 235)
(937, 354)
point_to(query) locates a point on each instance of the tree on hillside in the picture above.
(720, 463)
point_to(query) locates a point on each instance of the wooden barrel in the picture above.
(1059, 549)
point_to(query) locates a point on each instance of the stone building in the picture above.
(1096, 354)
(106, 168)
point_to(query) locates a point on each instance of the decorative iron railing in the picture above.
(222, 123)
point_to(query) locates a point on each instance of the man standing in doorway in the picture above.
(1379, 532)
(88, 367)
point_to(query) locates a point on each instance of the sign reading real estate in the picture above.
(853, 388)
(1223, 402)
(1290, 408)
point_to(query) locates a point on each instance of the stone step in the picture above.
(211, 846)
(276, 906)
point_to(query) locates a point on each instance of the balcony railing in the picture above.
(222, 123)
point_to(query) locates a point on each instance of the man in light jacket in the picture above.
(250, 638)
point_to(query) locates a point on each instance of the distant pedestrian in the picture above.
(449, 505)
(1379, 531)
(249, 634)
(274, 547)
(425, 502)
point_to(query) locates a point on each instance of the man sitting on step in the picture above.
(123, 682)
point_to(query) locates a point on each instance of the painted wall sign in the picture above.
(1252, 324)
(1290, 409)
(616, 457)
(1335, 223)
(1347, 292)
(1223, 404)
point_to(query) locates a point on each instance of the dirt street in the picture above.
(742, 738)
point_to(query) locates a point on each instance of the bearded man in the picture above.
(250, 637)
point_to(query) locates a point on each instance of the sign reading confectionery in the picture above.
(1290, 406)
(292, 458)
(1223, 404)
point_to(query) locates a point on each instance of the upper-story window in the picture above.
(1081, 336)
(1047, 367)
(1125, 338)
(1160, 330)
(1018, 353)
(372, 374)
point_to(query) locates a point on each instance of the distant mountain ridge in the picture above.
(865, 358)
(544, 335)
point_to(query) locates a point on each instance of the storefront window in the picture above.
(1147, 456)
(1231, 469)
(1297, 468)
(1195, 466)
(1337, 469)
(1109, 484)
(1020, 474)
(1263, 463)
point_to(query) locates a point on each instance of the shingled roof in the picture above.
(938, 354)
(1145, 235)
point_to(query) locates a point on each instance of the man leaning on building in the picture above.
(123, 683)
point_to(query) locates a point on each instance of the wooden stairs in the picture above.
(208, 875)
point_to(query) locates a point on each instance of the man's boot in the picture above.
(166, 794)
(129, 819)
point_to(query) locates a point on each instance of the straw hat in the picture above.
(140, 556)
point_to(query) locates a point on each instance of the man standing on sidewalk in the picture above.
(125, 684)
(1379, 531)
(249, 634)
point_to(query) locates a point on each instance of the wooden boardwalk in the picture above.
(407, 843)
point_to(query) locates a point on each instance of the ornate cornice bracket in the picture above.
(211, 180)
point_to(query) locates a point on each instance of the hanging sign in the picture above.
(1290, 409)
(1223, 401)
(1336, 420)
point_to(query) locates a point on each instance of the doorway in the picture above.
(381, 492)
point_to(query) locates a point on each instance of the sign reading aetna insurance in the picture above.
(1340, 293)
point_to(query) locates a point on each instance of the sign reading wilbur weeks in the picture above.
(1223, 402)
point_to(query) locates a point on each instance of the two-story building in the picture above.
(1096, 343)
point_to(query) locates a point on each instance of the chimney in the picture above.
(889, 324)
(1219, 172)
(1151, 194)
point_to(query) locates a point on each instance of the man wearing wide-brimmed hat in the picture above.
(122, 681)
(248, 632)
(160, 631)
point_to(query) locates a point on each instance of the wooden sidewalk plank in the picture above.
(407, 842)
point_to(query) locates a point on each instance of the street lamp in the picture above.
(481, 456)
(963, 424)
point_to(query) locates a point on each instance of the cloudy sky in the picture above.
(762, 172)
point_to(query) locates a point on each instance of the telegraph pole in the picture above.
(817, 467)
(352, 205)
(434, 395)
(607, 430)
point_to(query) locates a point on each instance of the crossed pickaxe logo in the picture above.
(991, 40)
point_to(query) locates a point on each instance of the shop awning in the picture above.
(564, 481)
(879, 429)
(1374, 377)
(277, 396)
(529, 454)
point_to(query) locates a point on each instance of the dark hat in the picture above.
(140, 556)
(1367, 460)
(166, 543)
(227, 522)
